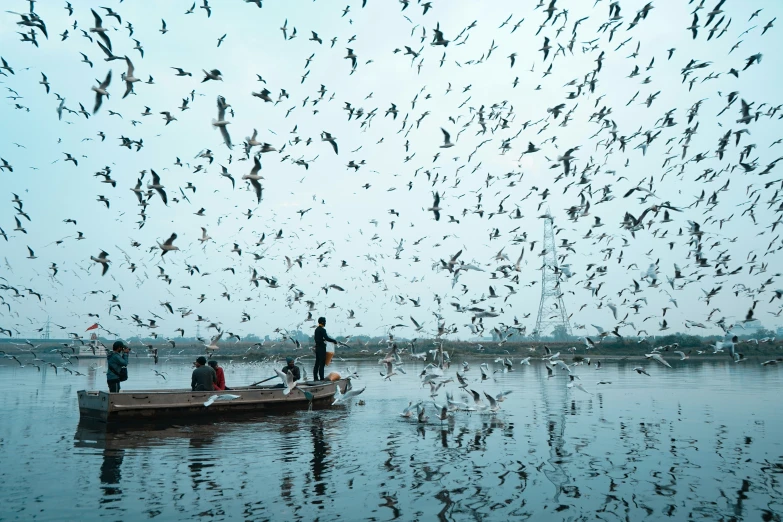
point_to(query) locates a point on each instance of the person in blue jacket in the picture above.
(115, 360)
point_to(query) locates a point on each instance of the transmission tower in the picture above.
(551, 311)
(46, 332)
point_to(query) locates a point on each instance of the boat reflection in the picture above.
(99, 435)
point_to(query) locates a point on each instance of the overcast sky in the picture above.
(324, 211)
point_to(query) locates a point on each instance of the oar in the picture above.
(268, 379)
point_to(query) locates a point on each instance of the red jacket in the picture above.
(221, 379)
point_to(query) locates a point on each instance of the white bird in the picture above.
(340, 397)
(500, 397)
(408, 411)
(493, 404)
(101, 91)
(477, 400)
(558, 362)
(221, 121)
(213, 343)
(254, 176)
(421, 417)
(222, 397)
(100, 29)
(657, 357)
(129, 78)
(103, 260)
(574, 384)
(288, 381)
(168, 245)
(455, 405)
(443, 411)
(158, 187)
(446, 139)
(389, 370)
(434, 387)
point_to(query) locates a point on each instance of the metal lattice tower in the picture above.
(47, 332)
(551, 311)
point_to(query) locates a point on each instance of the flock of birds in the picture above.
(468, 157)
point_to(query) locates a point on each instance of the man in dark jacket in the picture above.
(292, 368)
(115, 360)
(321, 337)
(204, 377)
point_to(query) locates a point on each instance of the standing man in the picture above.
(115, 361)
(320, 349)
(204, 377)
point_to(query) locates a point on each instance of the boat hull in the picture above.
(141, 405)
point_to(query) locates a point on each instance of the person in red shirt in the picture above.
(221, 378)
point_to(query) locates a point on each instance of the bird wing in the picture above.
(221, 108)
(226, 137)
(97, 19)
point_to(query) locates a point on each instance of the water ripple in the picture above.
(676, 446)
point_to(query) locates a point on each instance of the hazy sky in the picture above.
(344, 221)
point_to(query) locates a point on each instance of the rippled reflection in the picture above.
(692, 443)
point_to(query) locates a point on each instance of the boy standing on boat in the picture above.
(204, 377)
(321, 337)
(115, 362)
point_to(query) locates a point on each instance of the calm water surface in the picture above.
(702, 441)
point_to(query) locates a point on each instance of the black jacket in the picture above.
(321, 338)
(294, 371)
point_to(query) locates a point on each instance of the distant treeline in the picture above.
(364, 345)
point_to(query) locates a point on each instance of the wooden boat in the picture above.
(140, 405)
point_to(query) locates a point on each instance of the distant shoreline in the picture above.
(609, 350)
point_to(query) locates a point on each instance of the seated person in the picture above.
(204, 377)
(220, 385)
(291, 367)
